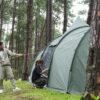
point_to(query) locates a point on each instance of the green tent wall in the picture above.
(67, 58)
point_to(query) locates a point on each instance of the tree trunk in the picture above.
(65, 17)
(89, 21)
(28, 42)
(11, 45)
(90, 12)
(36, 39)
(42, 35)
(37, 32)
(1, 18)
(94, 85)
(48, 21)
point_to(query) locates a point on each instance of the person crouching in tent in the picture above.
(39, 79)
(5, 67)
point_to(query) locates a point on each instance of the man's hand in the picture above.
(19, 54)
(45, 70)
(1, 61)
(43, 75)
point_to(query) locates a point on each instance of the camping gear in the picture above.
(66, 57)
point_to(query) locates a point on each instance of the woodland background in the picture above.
(27, 26)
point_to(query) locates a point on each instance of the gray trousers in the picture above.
(8, 71)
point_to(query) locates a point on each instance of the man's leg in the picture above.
(13, 83)
(10, 75)
(1, 84)
(41, 82)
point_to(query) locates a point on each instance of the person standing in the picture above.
(5, 67)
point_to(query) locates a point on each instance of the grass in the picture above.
(28, 93)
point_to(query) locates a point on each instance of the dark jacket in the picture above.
(36, 73)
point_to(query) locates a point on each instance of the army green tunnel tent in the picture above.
(67, 58)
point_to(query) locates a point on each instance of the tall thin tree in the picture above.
(1, 17)
(65, 16)
(37, 33)
(94, 85)
(90, 12)
(11, 46)
(48, 21)
(28, 42)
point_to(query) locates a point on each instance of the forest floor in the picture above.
(28, 93)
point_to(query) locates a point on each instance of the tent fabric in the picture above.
(79, 61)
(47, 57)
(67, 58)
(65, 53)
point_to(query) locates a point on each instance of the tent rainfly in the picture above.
(67, 58)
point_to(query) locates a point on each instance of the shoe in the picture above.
(34, 87)
(16, 89)
(1, 90)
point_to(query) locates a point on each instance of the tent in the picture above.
(67, 58)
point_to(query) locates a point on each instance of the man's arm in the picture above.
(18, 54)
(13, 54)
(43, 75)
(1, 61)
(45, 70)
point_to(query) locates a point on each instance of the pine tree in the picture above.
(11, 45)
(28, 42)
(65, 16)
(94, 20)
(48, 21)
(1, 17)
